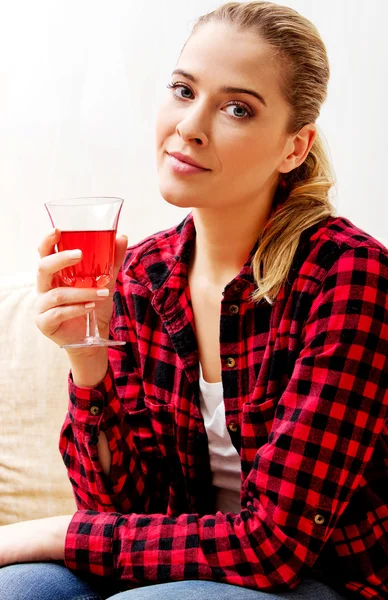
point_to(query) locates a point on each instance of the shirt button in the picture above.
(94, 410)
(237, 287)
(233, 309)
(233, 426)
(230, 362)
(319, 519)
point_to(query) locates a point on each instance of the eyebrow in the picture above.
(225, 89)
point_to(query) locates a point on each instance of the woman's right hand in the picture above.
(60, 311)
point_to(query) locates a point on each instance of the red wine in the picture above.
(96, 267)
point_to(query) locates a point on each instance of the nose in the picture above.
(193, 127)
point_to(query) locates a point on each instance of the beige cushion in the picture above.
(33, 404)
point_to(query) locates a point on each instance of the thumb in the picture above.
(120, 250)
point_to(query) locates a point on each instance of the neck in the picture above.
(223, 241)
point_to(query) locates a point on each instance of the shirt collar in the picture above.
(164, 259)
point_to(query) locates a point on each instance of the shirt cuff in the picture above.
(89, 542)
(87, 405)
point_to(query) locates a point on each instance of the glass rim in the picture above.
(70, 200)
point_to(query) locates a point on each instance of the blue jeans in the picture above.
(53, 581)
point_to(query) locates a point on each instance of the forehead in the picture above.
(222, 54)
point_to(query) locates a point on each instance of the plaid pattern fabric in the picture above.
(306, 405)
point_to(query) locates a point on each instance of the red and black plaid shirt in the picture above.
(306, 406)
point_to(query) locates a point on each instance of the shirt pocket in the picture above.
(256, 425)
(162, 419)
(151, 431)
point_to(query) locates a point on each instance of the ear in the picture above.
(297, 148)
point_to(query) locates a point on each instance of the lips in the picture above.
(188, 160)
(182, 168)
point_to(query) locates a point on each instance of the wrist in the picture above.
(37, 540)
(57, 530)
(89, 370)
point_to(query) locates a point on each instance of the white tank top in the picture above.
(224, 459)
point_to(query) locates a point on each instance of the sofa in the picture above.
(33, 405)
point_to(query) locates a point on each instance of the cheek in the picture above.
(238, 154)
(249, 150)
(158, 129)
(163, 124)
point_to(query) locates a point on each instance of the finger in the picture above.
(61, 296)
(50, 321)
(120, 250)
(49, 265)
(47, 245)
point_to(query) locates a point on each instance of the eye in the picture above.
(240, 105)
(174, 86)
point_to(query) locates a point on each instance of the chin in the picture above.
(178, 202)
(184, 195)
(173, 196)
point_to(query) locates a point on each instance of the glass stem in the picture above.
(91, 323)
(87, 325)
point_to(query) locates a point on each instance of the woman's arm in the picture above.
(97, 438)
(33, 541)
(88, 374)
(116, 480)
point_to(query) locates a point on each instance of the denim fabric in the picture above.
(53, 581)
(211, 590)
(48, 581)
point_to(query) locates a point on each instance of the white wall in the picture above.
(80, 84)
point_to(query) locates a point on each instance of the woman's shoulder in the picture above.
(336, 240)
(346, 234)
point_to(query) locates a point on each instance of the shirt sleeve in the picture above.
(326, 425)
(91, 410)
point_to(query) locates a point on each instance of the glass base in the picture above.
(93, 341)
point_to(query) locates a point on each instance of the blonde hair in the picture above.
(302, 196)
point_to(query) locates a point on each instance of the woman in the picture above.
(237, 444)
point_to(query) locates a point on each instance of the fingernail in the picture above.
(75, 254)
(90, 305)
(53, 232)
(104, 292)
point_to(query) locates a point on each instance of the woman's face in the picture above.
(240, 139)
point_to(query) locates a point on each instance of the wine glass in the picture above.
(88, 224)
